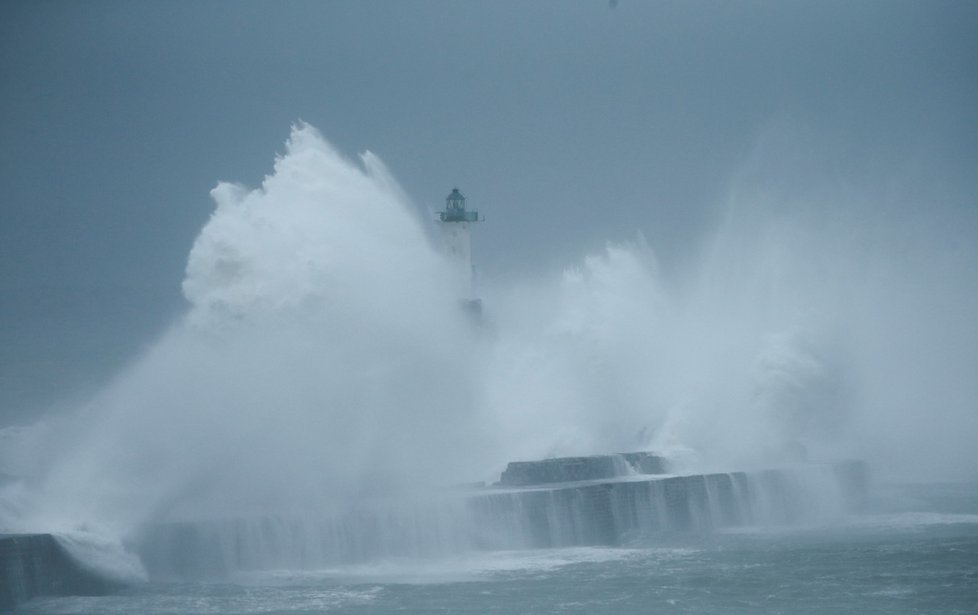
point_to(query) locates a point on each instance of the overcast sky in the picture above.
(566, 124)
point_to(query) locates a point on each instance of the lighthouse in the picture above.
(455, 222)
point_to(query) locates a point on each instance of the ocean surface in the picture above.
(914, 550)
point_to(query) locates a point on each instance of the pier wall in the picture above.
(38, 565)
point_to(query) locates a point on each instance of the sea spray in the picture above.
(322, 360)
(582, 360)
(104, 557)
(324, 365)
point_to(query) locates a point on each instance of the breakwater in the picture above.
(572, 469)
(609, 500)
(621, 510)
(39, 565)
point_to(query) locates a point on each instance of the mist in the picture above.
(323, 359)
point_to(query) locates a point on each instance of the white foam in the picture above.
(468, 567)
(913, 519)
(104, 556)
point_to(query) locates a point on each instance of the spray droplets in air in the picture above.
(324, 359)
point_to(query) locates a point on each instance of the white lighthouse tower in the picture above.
(455, 222)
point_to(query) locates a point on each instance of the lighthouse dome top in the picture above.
(455, 199)
(455, 209)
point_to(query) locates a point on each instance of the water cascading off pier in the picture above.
(620, 504)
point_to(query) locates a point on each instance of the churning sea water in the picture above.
(915, 551)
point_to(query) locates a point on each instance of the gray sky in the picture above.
(565, 123)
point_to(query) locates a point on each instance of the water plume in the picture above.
(321, 360)
(324, 361)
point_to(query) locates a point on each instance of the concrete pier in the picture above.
(550, 503)
(592, 467)
(627, 509)
(38, 565)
